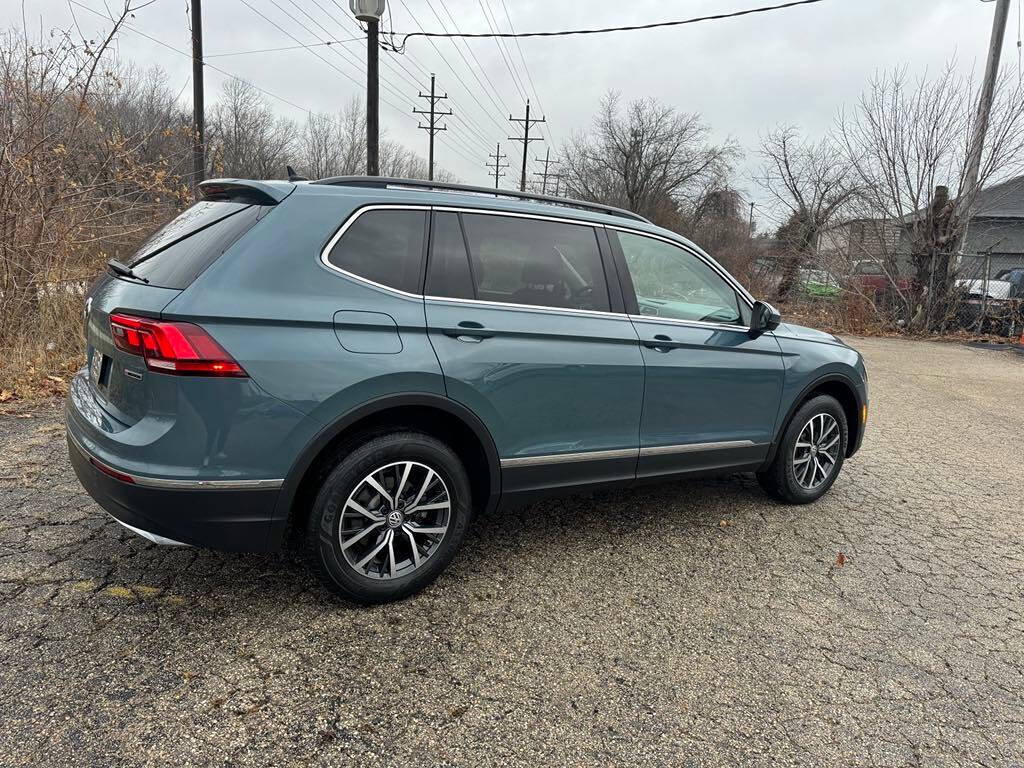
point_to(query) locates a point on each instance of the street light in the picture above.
(370, 11)
(367, 10)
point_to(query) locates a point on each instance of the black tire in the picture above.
(780, 479)
(323, 539)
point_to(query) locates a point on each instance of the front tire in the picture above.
(810, 454)
(389, 517)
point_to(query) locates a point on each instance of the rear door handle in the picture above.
(469, 330)
(659, 343)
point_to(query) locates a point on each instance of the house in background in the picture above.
(995, 234)
(994, 238)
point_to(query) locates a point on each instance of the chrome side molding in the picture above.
(626, 453)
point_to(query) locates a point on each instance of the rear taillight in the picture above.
(180, 348)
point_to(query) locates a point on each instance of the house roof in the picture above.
(1002, 201)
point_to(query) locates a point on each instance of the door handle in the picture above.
(469, 330)
(658, 343)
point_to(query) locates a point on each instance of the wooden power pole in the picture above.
(498, 165)
(527, 123)
(372, 99)
(546, 173)
(988, 87)
(198, 126)
(431, 127)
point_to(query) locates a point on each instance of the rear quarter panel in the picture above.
(272, 304)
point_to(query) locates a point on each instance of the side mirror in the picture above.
(763, 317)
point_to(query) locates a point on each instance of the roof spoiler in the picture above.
(245, 191)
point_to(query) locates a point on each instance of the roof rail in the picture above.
(384, 182)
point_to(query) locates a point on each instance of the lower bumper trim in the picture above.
(155, 538)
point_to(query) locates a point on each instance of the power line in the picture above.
(127, 26)
(526, 66)
(458, 79)
(285, 48)
(630, 28)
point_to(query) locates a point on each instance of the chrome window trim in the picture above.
(516, 215)
(147, 481)
(732, 281)
(325, 261)
(457, 209)
(657, 320)
(530, 307)
(624, 453)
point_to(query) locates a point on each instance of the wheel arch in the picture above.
(434, 414)
(843, 389)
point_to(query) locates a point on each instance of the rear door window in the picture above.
(385, 247)
(536, 262)
(178, 253)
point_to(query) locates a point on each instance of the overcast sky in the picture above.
(742, 75)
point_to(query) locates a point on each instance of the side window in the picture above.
(537, 262)
(385, 247)
(671, 282)
(448, 270)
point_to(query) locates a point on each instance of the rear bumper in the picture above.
(168, 512)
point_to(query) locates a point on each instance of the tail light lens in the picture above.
(179, 348)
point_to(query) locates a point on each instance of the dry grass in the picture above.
(37, 363)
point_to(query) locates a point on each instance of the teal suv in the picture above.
(360, 365)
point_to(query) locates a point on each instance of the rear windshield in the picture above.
(178, 253)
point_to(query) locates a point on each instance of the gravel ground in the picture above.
(687, 625)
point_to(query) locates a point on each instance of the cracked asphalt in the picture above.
(693, 624)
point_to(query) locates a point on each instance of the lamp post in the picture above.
(370, 11)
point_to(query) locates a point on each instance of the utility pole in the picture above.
(527, 123)
(750, 229)
(497, 165)
(198, 121)
(558, 183)
(372, 100)
(995, 47)
(431, 126)
(544, 175)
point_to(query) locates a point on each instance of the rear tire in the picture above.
(368, 546)
(810, 454)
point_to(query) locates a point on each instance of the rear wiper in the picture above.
(120, 269)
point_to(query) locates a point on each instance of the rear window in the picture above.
(385, 247)
(180, 252)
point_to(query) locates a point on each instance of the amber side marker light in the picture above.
(864, 414)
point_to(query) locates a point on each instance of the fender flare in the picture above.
(842, 378)
(289, 489)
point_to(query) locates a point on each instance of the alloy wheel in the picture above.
(394, 520)
(816, 451)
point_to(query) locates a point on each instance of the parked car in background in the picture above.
(361, 364)
(868, 277)
(995, 305)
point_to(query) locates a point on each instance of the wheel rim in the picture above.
(816, 452)
(394, 520)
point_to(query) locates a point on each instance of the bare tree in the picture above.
(812, 182)
(646, 157)
(246, 138)
(334, 145)
(907, 142)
